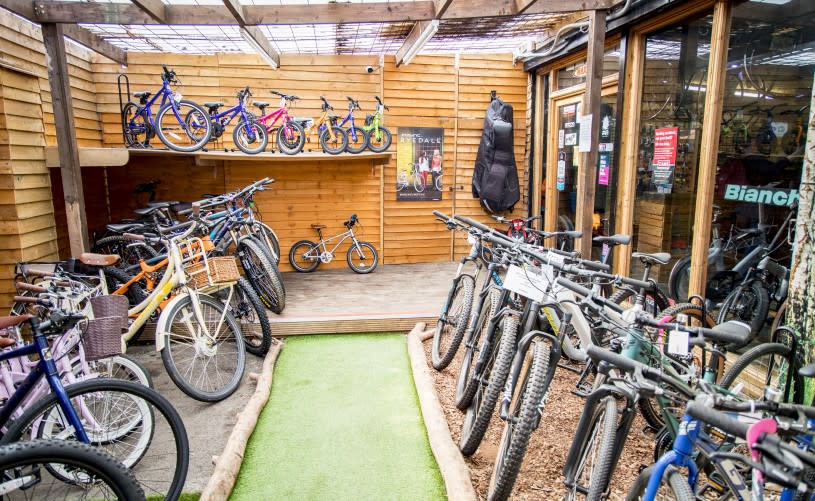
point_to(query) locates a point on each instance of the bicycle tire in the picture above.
(437, 183)
(780, 318)
(293, 144)
(132, 135)
(123, 367)
(455, 315)
(419, 183)
(523, 420)
(268, 238)
(197, 143)
(356, 251)
(262, 274)
(679, 279)
(466, 384)
(93, 473)
(382, 143)
(249, 312)
(604, 424)
(232, 365)
(482, 407)
(358, 144)
(672, 479)
(338, 145)
(261, 140)
(105, 391)
(301, 248)
(130, 252)
(116, 277)
(737, 373)
(401, 180)
(749, 305)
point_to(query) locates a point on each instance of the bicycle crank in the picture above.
(326, 257)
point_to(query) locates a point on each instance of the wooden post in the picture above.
(537, 149)
(800, 303)
(709, 149)
(454, 178)
(66, 137)
(591, 106)
(551, 199)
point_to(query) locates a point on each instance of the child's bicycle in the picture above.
(305, 256)
(249, 136)
(379, 138)
(290, 135)
(357, 137)
(333, 139)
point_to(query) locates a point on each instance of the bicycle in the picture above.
(290, 135)
(305, 256)
(187, 126)
(403, 180)
(357, 137)
(333, 139)
(249, 136)
(379, 137)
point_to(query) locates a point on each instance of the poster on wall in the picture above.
(419, 158)
(664, 159)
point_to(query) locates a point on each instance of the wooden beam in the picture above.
(441, 7)
(709, 149)
(587, 182)
(91, 157)
(557, 6)
(94, 43)
(417, 37)
(58, 79)
(522, 5)
(236, 9)
(154, 8)
(255, 37)
(24, 8)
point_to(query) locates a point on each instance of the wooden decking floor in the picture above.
(392, 298)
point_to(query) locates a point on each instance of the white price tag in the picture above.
(548, 269)
(678, 342)
(177, 96)
(528, 282)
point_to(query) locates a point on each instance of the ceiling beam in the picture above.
(441, 7)
(557, 6)
(154, 8)
(522, 5)
(94, 43)
(254, 36)
(24, 8)
(236, 9)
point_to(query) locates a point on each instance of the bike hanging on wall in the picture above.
(180, 124)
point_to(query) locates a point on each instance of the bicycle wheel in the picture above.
(467, 384)
(673, 486)
(437, 183)
(379, 139)
(207, 368)
(780, 318)
(173, 131)
(262, 274)
(266, 235)
(592, 470)
(679, 279)
(123, 367)
(304, 256)
(419, 183)
(248, 310)
(357, 140)
(106, 407)
(336, 145)
(291, 138)
(748, 304)
(130, 252)
(137, 130)
(482, 407)
(250, 137)
(59, 469)
(362, 257)
(452, 322)
(759, 368)
(523, 419)
(401, 180)
(116, 278)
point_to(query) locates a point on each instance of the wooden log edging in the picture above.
(453, 469)
(228, 463)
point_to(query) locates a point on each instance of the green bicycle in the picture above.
(379, 138)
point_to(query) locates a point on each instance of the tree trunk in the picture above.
(801, 298)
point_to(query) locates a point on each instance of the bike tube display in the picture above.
(419, 163)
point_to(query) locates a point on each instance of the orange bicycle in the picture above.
(333, 139)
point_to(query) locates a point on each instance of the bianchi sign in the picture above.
(758, 194)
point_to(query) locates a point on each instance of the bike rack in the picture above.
(119, 79)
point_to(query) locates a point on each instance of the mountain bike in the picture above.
(333, 139)
(290, 135)
(180, 124)
(379, 138)
(305, 256)
(249, 136)
(357, 137)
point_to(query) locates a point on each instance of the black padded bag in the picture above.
(495, 178)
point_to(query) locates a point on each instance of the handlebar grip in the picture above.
(196, 209)
(576, 288)
(718, 419)
(626, 364)
(440, 214)
(24, 286)
(732, 331)
(38, 273)
(132, 236)
(30, 299)
(594, 265)
(484, 228)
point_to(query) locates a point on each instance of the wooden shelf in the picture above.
(115, 157)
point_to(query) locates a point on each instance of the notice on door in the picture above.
(664, 160)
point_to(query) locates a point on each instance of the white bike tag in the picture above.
(528, 282)
(678, 342)
(471, 239)
(177, 97)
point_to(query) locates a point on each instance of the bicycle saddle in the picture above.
(732, 331)
(317, 226)
(123, 227)
(6, 322)
(160, 205)
(145, 94)
(618, 239)
(92, 259)
(750, 231)
(260, 104)
(807, 371)
(213, 106)
(652, 258)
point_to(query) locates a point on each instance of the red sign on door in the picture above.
(664, 159)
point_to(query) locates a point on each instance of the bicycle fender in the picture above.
(162, 326)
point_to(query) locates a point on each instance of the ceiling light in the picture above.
(426, 34)
(257, 48)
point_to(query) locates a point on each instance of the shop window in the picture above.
(575, 74)
(673, 100)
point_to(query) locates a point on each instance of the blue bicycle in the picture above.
(180, 124)
(357, 138)
(249, 135)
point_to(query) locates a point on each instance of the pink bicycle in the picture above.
(290, 135)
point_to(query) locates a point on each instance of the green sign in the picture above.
(773, 196)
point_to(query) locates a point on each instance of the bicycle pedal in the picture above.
(581, 392)
(649, 431)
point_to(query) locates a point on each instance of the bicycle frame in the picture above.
(352, 131)
(166, 92)
(238, 109)
(274, 116)
(344, 236)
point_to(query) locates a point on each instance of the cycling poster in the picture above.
(419, 157)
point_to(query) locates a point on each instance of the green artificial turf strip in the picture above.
(342, 423)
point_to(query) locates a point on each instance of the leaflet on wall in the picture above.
(663, 162)
(604, 167)
(419, 158)
(584, 145)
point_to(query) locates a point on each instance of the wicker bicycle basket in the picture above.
(222, 270)
(110, 306)
(103, 338)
